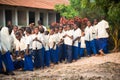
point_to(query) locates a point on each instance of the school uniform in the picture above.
(37, 48)
(76, 34)
(52, 49)
(1, 62)
(64, 47)
(20, 46)
(89, 40)
(0, 57)
(82, 46)
(14, 39)
(103, 35)
(28, 63)
(95, 37)
(6, 42)
(57, 47)
(18, 63)
(47, 51)
(60, 47)
(68, 44)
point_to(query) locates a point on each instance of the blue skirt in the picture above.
(8, 62)
(1, 62)
(60, 53)
(91, 48)
(38, 58)
(53, 56)
(47, 58)
(18, 64)
(75, 52)
(103, 44)
(28, 63)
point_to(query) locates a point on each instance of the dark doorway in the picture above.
(42, 18)
(57, 17)
(8, 16)
(31, 17)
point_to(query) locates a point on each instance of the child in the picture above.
(0, 56)
(52, 46)
(6, 42)
(20, 49)
(82, 44)
(56, 42)
(96, 34)
(47, 51)
(103, 35)
(76, 37)
(60, 44)
(37, 49)
(28, 64)
(89, 40)
(68, 40)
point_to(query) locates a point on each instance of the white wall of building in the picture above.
(20, 15)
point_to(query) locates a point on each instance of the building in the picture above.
(23, 12)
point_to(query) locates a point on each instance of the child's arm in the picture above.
(60, 41)
(71, 37)
(53, 45)
(27, 50)
(78, 38)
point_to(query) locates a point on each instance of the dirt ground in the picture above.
(87, 68)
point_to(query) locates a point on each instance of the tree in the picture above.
(66, 11)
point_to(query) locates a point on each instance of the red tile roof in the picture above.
(42, 4)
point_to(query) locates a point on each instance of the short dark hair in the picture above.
(28, 30)
(42, 30)
(17, 33)
(39, 22)
(46, 32)
(77, 24)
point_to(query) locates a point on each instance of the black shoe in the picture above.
(11, 73)
(5, 73)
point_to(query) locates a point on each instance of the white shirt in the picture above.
(45, 28)
(20, 44)
(37, 44)
(89, 31)
(95, 32)
(83, 45)
(67, 40)
(46, 40)
(57, 39)
(29, 40)
(6, 39)
(0, 42)
(76, 33)
(61, 36)
(102, 26)
(51, 41)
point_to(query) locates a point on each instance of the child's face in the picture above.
(75, 26)
(95, 22)
(60, 29)
(56, 30)
(65, 28)
(68, 27)
(18, 37)
(36, 30)
(15, 28)
(88, 23)
(51, 32)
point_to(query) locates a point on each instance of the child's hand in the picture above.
(27, 52)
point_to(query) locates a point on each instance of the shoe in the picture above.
(11, 73)
(5, 73)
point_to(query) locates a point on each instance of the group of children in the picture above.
(38, 48)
